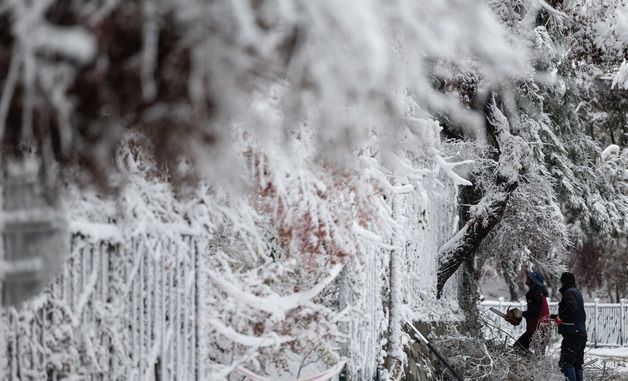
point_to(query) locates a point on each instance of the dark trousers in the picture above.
(524, 340)
(572, 351)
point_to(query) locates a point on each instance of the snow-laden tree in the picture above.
(301, 122)
(81, 74)
(306, 129)
(564, 179)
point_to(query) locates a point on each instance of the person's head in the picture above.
(535, 278)
(567, 279)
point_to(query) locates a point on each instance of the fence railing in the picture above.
(607, 323)
(111, 314)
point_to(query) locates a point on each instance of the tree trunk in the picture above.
(469, 296)
(465, 243)
(513, 152)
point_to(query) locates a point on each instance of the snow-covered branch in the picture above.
(513, 155)
(274, 304)
(250, 341)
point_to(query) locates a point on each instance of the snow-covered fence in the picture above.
(114, 313)
(607, 323)
(428, 220)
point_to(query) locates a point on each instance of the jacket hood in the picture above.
(568, 280)
(542, 289)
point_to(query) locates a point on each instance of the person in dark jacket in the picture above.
(572, 327)
(538, 310)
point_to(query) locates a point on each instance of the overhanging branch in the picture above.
(513, 153)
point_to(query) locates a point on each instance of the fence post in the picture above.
(595, 323)
(622, 318)
(501, 322)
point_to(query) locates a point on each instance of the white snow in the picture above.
(620, 79)
(620, 353)
(319, 212)
(250, 341)
(274, 304)
(610, 151)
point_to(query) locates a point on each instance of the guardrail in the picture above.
(607, 323)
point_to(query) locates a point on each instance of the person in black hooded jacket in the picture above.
(572, 327)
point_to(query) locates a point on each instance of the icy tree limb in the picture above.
(448, 169)
(372, 237)
(274, 304)
(453, 253)
(557, 13)
(513, 154)
(620, 79)
(249, 341)
(610, 151)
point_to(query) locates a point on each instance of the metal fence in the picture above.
(112, 314)
(607, 323)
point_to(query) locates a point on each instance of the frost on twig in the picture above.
(448, 169)
(274, 304)
(620, 79)
(251, 341)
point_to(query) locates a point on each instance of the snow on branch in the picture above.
(448, 169)
(611, 151)
(428, 133)
(513, 155)
(274, 304)
(620, 79)
(557, 13)
(514, 151)
(250, 341)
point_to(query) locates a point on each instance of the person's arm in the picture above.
(534, 306)
(567, 306)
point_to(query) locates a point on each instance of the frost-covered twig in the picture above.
(250, 341)
(274, 304)
(448, 168)
(620, 79)
(552, 10)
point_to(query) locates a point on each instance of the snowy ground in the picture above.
(601, 360)
(615, 354)
(608, 359)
